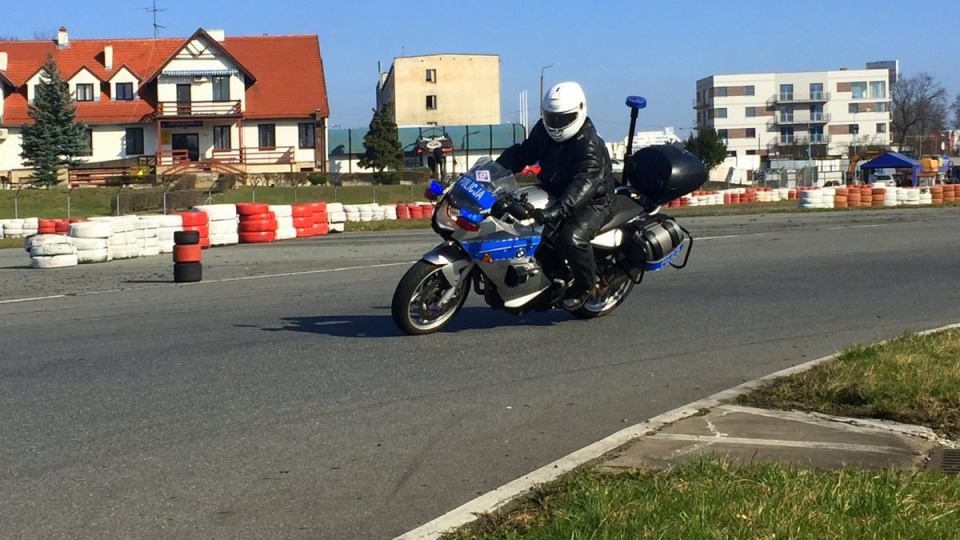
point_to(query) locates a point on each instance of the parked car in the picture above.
(883, 180)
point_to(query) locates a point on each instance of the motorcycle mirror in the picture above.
(636, 102)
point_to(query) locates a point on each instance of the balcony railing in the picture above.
(199, 108)
(804, 118)
(799, 140)
(796, 97)
(250, 156)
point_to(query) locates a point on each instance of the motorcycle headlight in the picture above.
(446, 215)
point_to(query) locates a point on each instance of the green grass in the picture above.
(913, 379)
(11, 243)
(712, 498)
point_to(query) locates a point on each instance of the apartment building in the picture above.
(442, 89)
(207, 103)
(801, 115)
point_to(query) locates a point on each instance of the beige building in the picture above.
(800, 115)
(442, 89)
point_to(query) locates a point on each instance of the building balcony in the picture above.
(173, 109)
(803, 118)
(802, 139)
(796, 97)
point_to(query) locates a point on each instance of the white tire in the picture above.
(223, 226)
(57, 261)
(226, 239)
(286, 233)
(337, 227)
(151, 251)
(88, 244)
(52, 250)
(281, 210)
(334, 207)
(89, 256)
(44, 240)
(124, 252)
(218, 211)
(91, 229)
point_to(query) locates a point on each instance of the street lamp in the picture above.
(544, 68)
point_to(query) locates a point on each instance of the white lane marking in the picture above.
(719, 237)
(712, 439)
(224, 280)
(854, 227)
(17, 300)
(502, 495)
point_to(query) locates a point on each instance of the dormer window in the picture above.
(124, 92)
(84, 92)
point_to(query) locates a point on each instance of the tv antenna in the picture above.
(154, 9)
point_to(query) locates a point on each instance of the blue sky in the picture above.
(614, 48)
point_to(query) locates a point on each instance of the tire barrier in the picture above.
(50, 251)
(320, 217)
(223, 225)
(336, 216)
(303, 220)
(199, 222)
(257, 223)
(187, 254)
(92, 241)
(284, 217)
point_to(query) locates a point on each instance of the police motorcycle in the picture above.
(493, 247)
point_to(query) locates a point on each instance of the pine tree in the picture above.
(55, 139)
(382, 143)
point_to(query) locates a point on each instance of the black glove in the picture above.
(545, 215)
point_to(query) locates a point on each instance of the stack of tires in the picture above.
(890, 196)
(258, 225)
(223, 225)
(50, 251)
(168, 224)
(811, 199)
(403, 211)
(92, 241)
(336, 217)
(284, 216)
(950, 193)
(12, 228)
(303, 219)
(148, 236)
(125, 242)
(198, 222)
(352, 212)
(187, 254)
(320, 225)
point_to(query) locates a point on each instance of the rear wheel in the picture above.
(418, 305)
(608, 300)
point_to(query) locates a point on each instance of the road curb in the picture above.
(494, 500)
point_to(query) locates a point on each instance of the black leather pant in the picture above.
(573, 238)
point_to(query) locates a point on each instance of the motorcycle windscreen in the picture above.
(470, 194)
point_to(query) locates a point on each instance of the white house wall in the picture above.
(124, 76)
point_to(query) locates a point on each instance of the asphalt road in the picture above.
(276, 399)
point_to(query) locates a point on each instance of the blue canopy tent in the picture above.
(894, 160)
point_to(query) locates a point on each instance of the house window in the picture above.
(786, 135)
(881, 128)
(853, 108)
(87, 143)
(267, 135)
(124, 91)
(750, 112)
(854, 129)
(721, 113)
(859, 90)
(881, 107)
(786, 92)
(432, 75)
(84, 92)
(786, 114)
(816, 134)
(134, 137)
(749, 90)
(816, 91)
(720, 91)
(431, 103)
(878, 89)
(306, 135)
(722, 133)
(221, 88)
(816, 113)
(751, 133)
(221, 138)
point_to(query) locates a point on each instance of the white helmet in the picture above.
(564, 110)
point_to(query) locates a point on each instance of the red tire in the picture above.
(302, 210)
(320, 217)
(304, 232)
(187, 253)
(204, 242)
(321, 229)
(194, 219)
(320, 206)
(303, 222)
(252, 209)
(266, 225)
(258, 237)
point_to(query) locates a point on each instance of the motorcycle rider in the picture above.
(575, 169)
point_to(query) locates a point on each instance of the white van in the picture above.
(883, 180)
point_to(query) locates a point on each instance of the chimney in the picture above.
(108, 57)
(217, 35)
(63, 41)
(3, 61)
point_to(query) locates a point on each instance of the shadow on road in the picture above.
(369, 326)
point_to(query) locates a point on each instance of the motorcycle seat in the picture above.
(624, 209)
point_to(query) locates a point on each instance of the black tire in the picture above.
(420, 275)
(187, 272)
(605, 305)
(186, 238)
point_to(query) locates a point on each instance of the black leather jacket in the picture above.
(575, 172)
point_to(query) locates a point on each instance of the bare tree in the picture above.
(44, 35)
(955, 108)
(919, 108)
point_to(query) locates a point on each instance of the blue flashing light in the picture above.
(436, 188)
(472, 217)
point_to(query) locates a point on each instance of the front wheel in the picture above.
(608, 300)
(424, 302)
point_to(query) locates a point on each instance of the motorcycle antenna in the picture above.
(635, 103)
